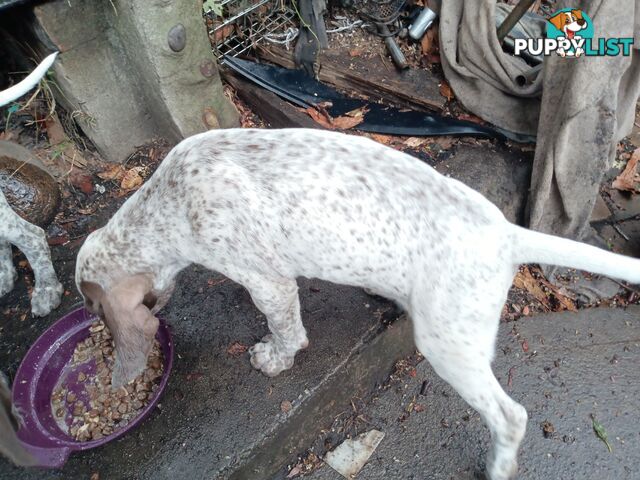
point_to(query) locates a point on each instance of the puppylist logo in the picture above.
(570, 33)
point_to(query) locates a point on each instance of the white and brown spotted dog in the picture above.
(264, 207)
(570, 23)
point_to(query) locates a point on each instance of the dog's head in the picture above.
(124, 300)
(126, 307)
(569, 22)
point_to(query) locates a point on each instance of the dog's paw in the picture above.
(267, 357)
(7, 279)
(46, 298)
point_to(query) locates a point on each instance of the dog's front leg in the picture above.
(31, 240)
(277, 298)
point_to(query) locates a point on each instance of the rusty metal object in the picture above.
(30, 191)
(177, 38)
(514, 17)
(208, 68)
(210, 119)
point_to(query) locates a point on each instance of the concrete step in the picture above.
(576, 365)
(221, 419)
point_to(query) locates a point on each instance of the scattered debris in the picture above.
(81, 180)
(132, 179)
(350, 456)
(548, 430)
(321, 116)
(525, 281)
(236, 349)
(445, 91)
(129, 180)
(600, 432)
(285, 406)
(305, 465)
(511, 373)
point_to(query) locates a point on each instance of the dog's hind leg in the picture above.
(7, 270)
(32, 241)
(277, 298)
(457, 336)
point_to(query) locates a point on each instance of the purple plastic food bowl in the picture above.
(42, 369)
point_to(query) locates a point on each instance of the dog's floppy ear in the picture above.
(10, 446)
(558, 20)
(132, 326)
(577, 14)
(93, 295)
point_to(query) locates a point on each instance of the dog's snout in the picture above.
(581, 21)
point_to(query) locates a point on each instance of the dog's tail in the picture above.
(19, 89)
(535, 247)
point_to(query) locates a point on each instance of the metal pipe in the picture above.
(396, 54)
(514, 17)
(529, 76)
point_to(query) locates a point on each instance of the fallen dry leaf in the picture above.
(446, 92)
(445, 142)
(355, 52)
(564, 301)
(297, 470)
(220, 35)
(629, 179)
(525, 281)
(345, 123)
(430, 43)
(415, 142)
(131, 179)
(285, 406)
(319, 117)
(470, 117)
(383, 139)
(81, 180)
(60, 240)
(55, 131)
(114, 172)
(358, 112)
(236, 349)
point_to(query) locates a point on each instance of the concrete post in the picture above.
(134, 70)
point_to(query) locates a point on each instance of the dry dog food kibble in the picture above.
(84, 404)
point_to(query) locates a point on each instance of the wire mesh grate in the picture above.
(244, 24)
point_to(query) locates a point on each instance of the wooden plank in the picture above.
(369, 77)
(276, 112)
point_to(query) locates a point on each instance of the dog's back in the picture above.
(306, 203)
